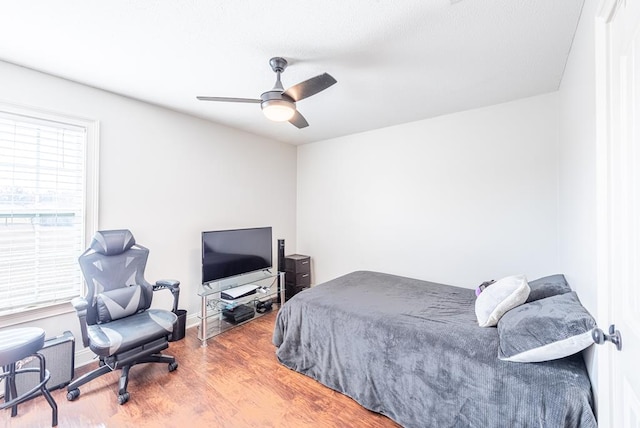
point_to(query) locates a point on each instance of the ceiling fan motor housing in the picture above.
(276, 95)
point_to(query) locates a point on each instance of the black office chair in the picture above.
(115, 318)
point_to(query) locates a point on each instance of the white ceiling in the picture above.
(395, 61)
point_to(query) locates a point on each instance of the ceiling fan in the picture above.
(280, 105)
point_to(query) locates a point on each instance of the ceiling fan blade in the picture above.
(310, 87)
(298, 120)
(232, 100)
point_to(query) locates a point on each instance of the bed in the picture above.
(413, 351)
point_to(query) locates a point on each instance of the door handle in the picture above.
(614, 336)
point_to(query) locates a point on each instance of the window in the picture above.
(48, 206)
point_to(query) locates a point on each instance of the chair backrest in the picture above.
(113, 268)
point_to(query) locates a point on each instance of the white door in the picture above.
(619, 205)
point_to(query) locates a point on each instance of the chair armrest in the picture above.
(174, 286)
(80, 304)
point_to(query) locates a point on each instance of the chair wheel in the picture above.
(173, 366)
(73, 394)
(123, 398)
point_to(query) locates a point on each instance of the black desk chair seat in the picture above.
(17, 344)
(128, 333)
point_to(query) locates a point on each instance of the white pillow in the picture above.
(500, 297)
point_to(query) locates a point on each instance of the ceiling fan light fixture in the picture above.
(278, 110)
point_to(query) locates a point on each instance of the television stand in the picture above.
(269, 288)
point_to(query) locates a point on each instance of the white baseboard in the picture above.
(84, 356)
(193, 320)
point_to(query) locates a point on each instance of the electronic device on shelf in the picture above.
(228, 253)
(239, 314)
(263, 307)
(238, 292)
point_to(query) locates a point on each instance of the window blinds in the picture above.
(42, 211)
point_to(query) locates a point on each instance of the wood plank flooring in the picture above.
(234, 382)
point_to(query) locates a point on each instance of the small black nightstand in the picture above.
(297, 269)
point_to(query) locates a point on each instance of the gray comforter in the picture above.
(412, 350)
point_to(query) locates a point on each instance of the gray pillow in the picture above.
(119, 303)
(547, 329)
(548, 286)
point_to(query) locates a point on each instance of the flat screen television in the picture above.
(227, 253)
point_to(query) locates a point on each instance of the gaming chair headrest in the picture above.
(112, 242)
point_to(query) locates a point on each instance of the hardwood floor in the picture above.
(236, 381)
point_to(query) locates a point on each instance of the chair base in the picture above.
(73, 390)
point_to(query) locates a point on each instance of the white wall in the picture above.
(458, 199)
(577, 202)
(577, 243)
(167, 177)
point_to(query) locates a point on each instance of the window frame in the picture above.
(91, 199)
